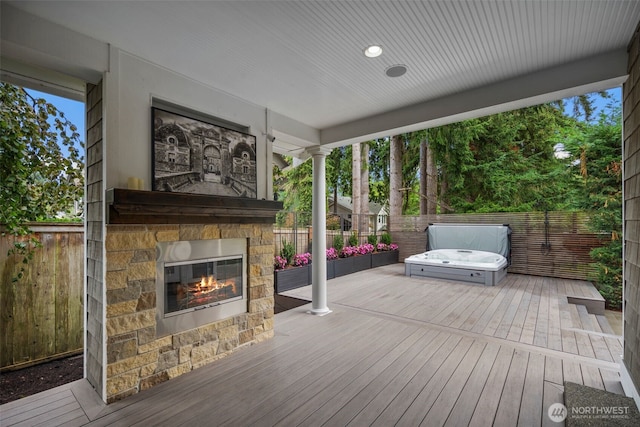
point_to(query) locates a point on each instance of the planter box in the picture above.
(292, 278)
(361, 262)
(331, 268)
(378, 259)
(353, 264)
(297, 277)
(343, 266)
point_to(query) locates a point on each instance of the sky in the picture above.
(602, 104)
(74, 110)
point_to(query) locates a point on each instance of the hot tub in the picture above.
(466, 265)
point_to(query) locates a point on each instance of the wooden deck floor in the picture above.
(394, 351)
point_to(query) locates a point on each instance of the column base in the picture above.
(319, 311)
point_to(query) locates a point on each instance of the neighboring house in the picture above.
(279, 161)
(378, 214)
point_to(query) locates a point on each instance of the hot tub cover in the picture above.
(480, 237)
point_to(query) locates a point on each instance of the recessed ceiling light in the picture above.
(396, 70)
(373, 51)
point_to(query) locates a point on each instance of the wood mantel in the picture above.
(159, 207)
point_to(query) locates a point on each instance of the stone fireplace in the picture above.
(218, 274)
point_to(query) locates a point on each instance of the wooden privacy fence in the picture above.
(566, 256)
(41, 315)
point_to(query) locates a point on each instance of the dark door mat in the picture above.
(284, 303)
(587, 406)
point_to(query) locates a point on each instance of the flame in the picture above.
(210, 284)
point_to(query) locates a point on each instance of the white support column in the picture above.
(319, 223)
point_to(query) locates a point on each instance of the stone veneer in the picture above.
(136, 358)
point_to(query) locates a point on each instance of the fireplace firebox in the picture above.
(199, 282)
(197, 285)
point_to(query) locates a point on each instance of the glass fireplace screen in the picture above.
(194, 285)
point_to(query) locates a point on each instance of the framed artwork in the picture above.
(193, 156)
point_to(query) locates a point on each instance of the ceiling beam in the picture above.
(596, 73)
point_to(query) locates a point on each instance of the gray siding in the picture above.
(94, 239)
(631, 111)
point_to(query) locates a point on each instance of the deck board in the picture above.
(611, 381)
(431, 389)
(344, 405)
(324, 389)
(554, 339)
(467, 399)
(605, 327)
(395, 350)
(448, 354)
(541, 332)
(38, 411)
(511, 399)
(529, 327)
(572, 372)
(553, 370)
(446, 399)
(591, 377)
(532, 395)
(476, 314)
(584, 344)
(492, 307)
(290, 406)
(552, 393)
(515, 330)
(368, 413)
(518, 304)
(569, 343)
(487, 405)
(499, 312)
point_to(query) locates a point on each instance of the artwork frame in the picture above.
(195, 156)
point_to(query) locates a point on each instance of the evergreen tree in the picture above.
(597, 165)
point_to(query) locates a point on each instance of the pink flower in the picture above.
(348, 251)
(301, 259)
(380, 247)
(366, 248)
(332, 253)
(279, 263)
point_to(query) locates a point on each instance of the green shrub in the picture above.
(608, 276)
(338, 242)
(385, 238)
(372, 239)
(288, 251)
(353, 240)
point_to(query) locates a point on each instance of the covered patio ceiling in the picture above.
(304, 60)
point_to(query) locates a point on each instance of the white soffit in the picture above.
(304, 59)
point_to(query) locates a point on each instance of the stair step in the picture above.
(585, 320)
(593, 305)
(605, 327)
